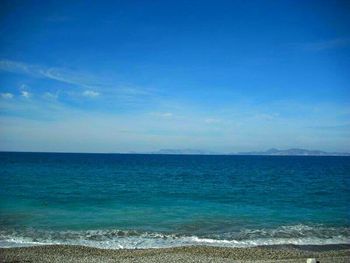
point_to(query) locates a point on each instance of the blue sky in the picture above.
(226, 76)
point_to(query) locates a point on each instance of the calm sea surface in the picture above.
(140, 201)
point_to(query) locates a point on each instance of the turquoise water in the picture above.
(140, 201)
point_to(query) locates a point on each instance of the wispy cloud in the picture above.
(89, 84)
(166, 115)
(6, 95)
(165, 128)
(52, 73)
(266, 116)
(91, 93)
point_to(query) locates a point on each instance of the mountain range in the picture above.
(272, 151)
(294, 151)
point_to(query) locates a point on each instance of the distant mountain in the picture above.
(270, 152)
(294, 151)
(183, 151)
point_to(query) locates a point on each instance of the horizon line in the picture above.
(326, 154)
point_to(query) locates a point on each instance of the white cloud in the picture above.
(25, 94)
(6, 95)
(91, 93)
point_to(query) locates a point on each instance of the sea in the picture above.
(116, 201)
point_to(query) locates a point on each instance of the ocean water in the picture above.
(142, 201)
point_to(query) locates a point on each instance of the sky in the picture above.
(138, 76)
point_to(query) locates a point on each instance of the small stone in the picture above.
(311, 260)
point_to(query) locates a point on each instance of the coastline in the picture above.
(280, 253)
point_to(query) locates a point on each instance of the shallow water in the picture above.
(129, 201)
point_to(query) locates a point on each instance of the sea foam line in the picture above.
(118, 239)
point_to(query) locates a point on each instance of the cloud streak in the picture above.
(36, 71)
(165, 114)
(89, 85)
(91, 93)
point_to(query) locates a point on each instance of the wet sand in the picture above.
(63, 253)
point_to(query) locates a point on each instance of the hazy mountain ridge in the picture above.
(295, 152)
(184, 151)
(270, 152)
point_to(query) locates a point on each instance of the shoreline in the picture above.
(281, 253)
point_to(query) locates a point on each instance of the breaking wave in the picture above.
(132, 239)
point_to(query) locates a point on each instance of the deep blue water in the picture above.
(127, 200)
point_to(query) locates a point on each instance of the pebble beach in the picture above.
(64, 253)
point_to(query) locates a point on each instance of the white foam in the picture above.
(117, 239)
